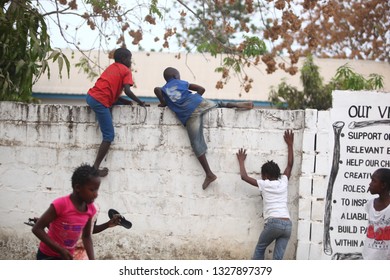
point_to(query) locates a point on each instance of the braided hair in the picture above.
(83, 174)
(271, 169)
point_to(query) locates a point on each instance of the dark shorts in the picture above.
(42, 256)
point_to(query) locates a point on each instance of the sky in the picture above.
(74, 26)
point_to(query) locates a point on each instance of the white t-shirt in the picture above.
(377, 243)
(274, 197)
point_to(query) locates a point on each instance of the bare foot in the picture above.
(208, 180)
(103, 172)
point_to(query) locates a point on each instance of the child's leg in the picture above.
(240, 105)
(194, 128)
(210, 176)
(103, 115)
(282, 241)
(102, 152)
(265, 239)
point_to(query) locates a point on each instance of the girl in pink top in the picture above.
(69, 217)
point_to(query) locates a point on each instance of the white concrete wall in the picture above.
(155, 180)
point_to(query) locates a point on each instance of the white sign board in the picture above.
(360, 144)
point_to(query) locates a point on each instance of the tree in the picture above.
(291, 29)
(315, 94)
(24, 50)
(25, 46)
(246, 33)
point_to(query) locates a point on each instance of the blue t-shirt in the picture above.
(180, 99)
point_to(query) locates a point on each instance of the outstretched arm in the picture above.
(289, 139)
(131, 95)
(111, 223)
(158, 93)
(241, 156)
(39, 231)
(199, 89)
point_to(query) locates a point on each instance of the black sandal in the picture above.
(123, 222)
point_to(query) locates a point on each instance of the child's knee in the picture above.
(108, 137)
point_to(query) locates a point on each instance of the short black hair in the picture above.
(170, 73)
(384, 176)
(83, 174)
(271, 169)
(121, 54)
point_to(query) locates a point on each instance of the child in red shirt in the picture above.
(107, 91)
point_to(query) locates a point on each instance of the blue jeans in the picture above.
(104, 118)
(274, 229)
(194, 125)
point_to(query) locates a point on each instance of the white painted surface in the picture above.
(154, 181)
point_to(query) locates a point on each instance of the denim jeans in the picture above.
(194, 126)
(274, 229)
(104, 117)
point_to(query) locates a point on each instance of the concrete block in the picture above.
(305, 186)
(64, 114)
(308, 141)
(305, 208)
(308, 163)
(323, 121)
(320, 185)
(12, 111)
(322, 165)
(303, 250)
(323, 143)
(304, 230)
(318, 210)
(311, 117)
(225, 117)
(317, 233)
(8, 155)
(13, 133)
(166, 117)
(283, 120)
(316, 252)
(42, 156)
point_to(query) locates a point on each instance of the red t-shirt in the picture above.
(109, 86)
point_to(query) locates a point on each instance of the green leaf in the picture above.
(153, 9)
(60, 64)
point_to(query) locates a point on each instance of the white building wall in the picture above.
(199, 69)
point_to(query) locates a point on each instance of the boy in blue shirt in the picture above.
(189, 108)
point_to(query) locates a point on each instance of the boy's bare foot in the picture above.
(103, 172)
(208, 180)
